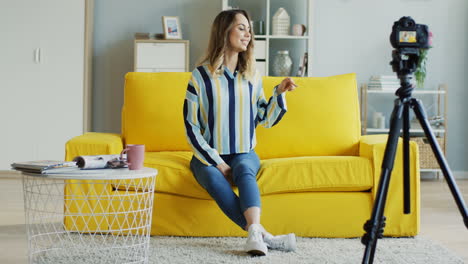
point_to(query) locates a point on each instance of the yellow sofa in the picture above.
(318, 175)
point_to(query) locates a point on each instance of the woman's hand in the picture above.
(226, 171)
(286, 85)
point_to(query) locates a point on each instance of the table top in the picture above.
(99, 174)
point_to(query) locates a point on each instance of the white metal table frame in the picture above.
(98, 216)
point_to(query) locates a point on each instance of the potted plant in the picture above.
(420, 73)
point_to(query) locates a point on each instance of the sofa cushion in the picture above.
(322, 119)
(152, 111)
(302, 174)
(283, 175)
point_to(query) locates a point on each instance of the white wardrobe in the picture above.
(41, 78)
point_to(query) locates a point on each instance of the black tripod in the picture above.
(404, 64)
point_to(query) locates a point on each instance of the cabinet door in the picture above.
(261, 67)
(160, 55)
(61, 75)
(42, 78)
(260, 49)
(159, 70)
(19, 76)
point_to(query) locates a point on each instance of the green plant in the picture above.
(420, 73)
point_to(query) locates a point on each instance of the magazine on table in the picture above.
(45, 166)
(101, 162)
(79, 165)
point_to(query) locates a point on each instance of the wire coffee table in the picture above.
(102, 216)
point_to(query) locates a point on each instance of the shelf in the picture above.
(300, 12)
(414, 92)
(287, 37)
(374, 130)
(430, 170)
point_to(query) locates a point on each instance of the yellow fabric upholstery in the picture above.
(152, 113)
(275, 176)
(308, 174)
(322, 119)
(318, 175)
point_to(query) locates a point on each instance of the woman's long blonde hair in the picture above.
(219, 41)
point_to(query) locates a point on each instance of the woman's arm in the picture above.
(201, 149)
(270, 113)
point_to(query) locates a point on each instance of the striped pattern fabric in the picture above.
(221, 114)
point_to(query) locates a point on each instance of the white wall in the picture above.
(353, 36)
(349, 36)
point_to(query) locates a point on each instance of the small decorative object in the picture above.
(378, 120)
(282, 64)
(159, 35)
(259, 27)
(171, 27)
(420, 73)
(298, 29)
(281, 22)
(142, 35)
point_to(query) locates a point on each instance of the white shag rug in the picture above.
(194, 250)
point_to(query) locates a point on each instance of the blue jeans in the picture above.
(244, 168)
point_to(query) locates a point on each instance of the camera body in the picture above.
(407, 38)
(407, 34)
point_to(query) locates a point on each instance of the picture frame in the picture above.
(171, 27)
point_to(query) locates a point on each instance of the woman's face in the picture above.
(239, 36)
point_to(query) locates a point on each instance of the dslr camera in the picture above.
(407, 38)
(407, 34)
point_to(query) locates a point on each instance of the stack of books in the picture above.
(384, 83)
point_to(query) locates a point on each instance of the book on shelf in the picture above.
(383, 82)
(302, 71)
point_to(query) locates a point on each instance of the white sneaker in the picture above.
(255, 244)
(282, 242)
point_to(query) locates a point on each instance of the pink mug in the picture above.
(135, 156)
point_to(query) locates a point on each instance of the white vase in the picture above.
(282, 64)
(281, 22)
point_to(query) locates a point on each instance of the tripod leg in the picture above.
(406, 160)
(374, 226)
(421, 115)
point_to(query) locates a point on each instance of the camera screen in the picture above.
(408, 36)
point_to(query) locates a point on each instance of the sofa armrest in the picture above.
(97, 214)
(93, 143)
(373, 148)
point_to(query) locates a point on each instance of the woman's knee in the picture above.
(249, 167)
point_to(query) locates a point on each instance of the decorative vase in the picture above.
(282, 64)
(281, 22)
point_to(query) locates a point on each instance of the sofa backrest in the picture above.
(322, 118)
(152, 110)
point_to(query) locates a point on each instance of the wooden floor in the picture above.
(440, 219)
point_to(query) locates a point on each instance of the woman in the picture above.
(223, 105)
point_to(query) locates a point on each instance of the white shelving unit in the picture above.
(264, 10)
(440, 132)
(155, 55)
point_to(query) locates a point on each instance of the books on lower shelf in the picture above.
(384, 82)
(79, 165)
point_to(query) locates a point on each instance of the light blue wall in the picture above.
(353, 36)
(115, 23)
(348, 36)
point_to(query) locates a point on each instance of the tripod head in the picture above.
(407, 38)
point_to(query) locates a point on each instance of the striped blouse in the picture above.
(221, 114)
